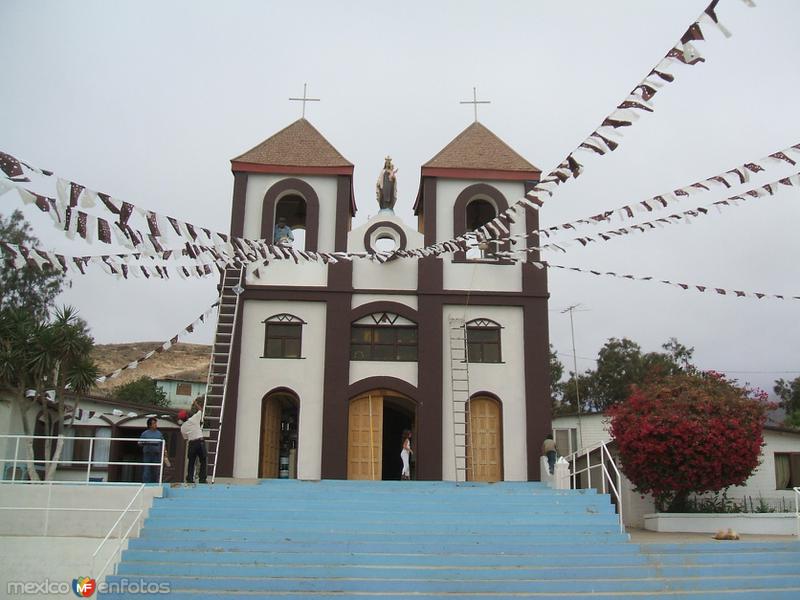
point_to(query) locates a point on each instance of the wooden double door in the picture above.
(376, 421)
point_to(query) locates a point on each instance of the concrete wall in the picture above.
(506, 380)
(260, 375)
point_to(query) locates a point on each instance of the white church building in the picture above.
(330, 363)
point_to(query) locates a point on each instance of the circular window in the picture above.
(384, 236)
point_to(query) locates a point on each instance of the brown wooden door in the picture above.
(486, 440)
(365, 438)
(270, 438)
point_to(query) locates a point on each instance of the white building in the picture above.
(772, 481)
(330, 363)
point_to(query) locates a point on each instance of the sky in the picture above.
(148, 101)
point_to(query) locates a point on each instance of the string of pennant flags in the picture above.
(602, 139)
(702, 288)
(202, 258)
(163, 347)
(685, 216)
(65, 209)
(237, 251)
(204, 249)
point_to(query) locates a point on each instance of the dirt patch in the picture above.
(182, 361)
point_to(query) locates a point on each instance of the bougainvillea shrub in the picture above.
(688, 433)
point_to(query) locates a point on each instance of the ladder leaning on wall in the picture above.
(220, 364)
(459, 387)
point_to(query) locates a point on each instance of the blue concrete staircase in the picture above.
(340, 539)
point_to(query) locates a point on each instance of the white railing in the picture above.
(121, 539)
(610, 479)
(797, 508)
(22, 462)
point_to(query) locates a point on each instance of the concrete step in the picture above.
(423, 571)
(429, 540)
(485, 546)
(410, 586)
(743, 594)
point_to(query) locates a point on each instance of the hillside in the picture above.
(188, 361)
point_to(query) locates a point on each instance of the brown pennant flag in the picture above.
(75, 191)
(634, 104)
(679, 54)
(12, 168)
(669, 78)
(103, 231)
(753, 167)
(615, 123)
(693, 33)
(106, 200)
(721, 180)
(648, 91)
(612, 145)
(782, 156)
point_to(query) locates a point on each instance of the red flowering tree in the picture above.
(688, 433)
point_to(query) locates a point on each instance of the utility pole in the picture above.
(575, 371)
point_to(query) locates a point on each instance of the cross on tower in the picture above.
(305, 99)
(475, 102)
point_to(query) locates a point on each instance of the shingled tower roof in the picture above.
(477, 148)
(477, 153)
(298, 148)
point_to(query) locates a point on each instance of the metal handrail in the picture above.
(605, 458)
(23, 462)
(797, 508)
(120, 539)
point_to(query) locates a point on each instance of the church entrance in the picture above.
(278, 452)
(486, 437)
(376, 421)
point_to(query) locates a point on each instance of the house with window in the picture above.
(331, 362)
(772, 481)
(183, 387)
(101, 439)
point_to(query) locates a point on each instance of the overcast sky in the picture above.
(149, 101)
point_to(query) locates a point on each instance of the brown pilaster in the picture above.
(237, 209)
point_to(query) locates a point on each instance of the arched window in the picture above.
(283, 336)
(383, 336)
(479, 213)
(483, 341)
(290, 212)
(475, 206)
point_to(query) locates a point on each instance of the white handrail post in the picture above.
(89, 462)
(797, 508)
(589, 469)
(161, 466)
(47, 512)
(16, 455)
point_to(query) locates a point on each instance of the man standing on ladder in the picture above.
(192, 431)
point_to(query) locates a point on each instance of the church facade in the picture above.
(331, 363)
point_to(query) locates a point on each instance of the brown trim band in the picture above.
(479, 174)
(243, 167)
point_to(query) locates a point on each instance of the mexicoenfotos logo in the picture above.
(84, 587)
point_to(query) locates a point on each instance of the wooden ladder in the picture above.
(459, 387)
(220, 365)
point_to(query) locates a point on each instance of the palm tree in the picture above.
(49, 357)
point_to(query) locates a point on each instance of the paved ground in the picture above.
(642, 536)
(47, 560)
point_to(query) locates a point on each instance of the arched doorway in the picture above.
(279, 427)
(376, 420)
(485, 453)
